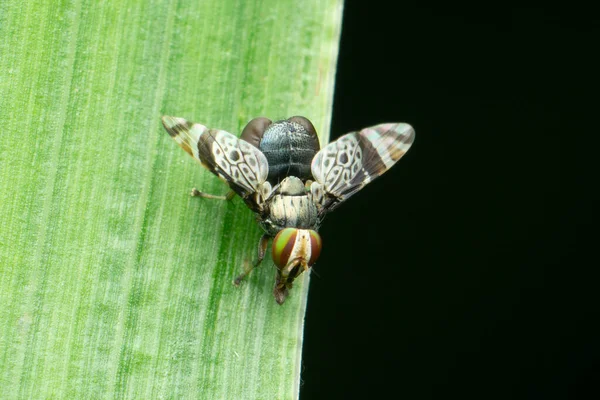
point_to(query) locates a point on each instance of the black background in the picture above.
(464, 271)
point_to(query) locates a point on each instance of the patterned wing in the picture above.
(238, 163)
(346, 165)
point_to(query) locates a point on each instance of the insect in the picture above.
(283, 176)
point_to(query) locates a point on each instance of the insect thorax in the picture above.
(291, 207)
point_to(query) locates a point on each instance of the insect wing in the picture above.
(346, 165)
(240, 164)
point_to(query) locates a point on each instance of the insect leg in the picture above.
(262, 250)
(197, 193)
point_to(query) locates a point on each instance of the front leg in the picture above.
(262, 250)
(197, 193)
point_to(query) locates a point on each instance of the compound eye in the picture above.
(315, 247)
(296, 244)
(283, 245)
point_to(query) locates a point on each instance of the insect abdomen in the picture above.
(289, 146)
(289, 153)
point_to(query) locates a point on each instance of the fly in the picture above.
(288, 181)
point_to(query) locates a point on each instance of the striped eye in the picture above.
(291, 244)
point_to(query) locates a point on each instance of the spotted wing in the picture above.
(240, 164)
(346, 165)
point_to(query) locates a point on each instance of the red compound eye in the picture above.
(315, 247)
(283, 245)
(291, 243)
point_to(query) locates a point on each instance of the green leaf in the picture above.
(114, 283)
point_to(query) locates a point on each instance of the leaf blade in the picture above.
(116, 283)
